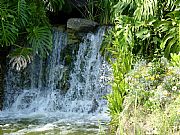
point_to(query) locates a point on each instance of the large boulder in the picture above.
(81, 25)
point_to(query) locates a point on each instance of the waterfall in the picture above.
(37, 89)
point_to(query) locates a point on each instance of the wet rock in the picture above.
(60, 27)
(94, 107)
(1, 86)
(81, 25)
(73, 38)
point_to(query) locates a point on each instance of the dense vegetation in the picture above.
(143, 48)
(144, 88)
(25, 28)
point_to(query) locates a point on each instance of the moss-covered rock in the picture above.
(81, 25)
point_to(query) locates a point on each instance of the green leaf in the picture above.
(169, 47)
(165, 40)
(141, 33)
(22, 11)
(8, 33)
(40, 38)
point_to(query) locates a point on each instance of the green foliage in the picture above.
(22, 13)
(170, 29)
(120, 50)
(40, 38)
(140, 9)
(147, 28)
(175, 59)
(24, 25)
(8, 32)
(99, 10)
(151, 30)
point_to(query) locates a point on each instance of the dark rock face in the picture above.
(71, 9)
(1, 86)
(79, 3)
(4, 51)
(81, 25)
(94, 107)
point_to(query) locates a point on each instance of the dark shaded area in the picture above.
(1, 86)
(71, 9)
(3, 54)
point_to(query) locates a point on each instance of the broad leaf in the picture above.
(40, 38)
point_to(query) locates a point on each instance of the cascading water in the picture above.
(37, 91)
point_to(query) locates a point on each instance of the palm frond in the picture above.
(22, 12)
(40, 38)
(8, 32)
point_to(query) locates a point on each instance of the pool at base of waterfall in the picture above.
(53, 124)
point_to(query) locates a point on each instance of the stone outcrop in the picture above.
(81, 25)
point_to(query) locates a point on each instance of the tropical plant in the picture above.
(147, 28)
(120, 44)
(40, 38)
(25, 28)
(156, 24)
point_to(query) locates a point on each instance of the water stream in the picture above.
(51, 97)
